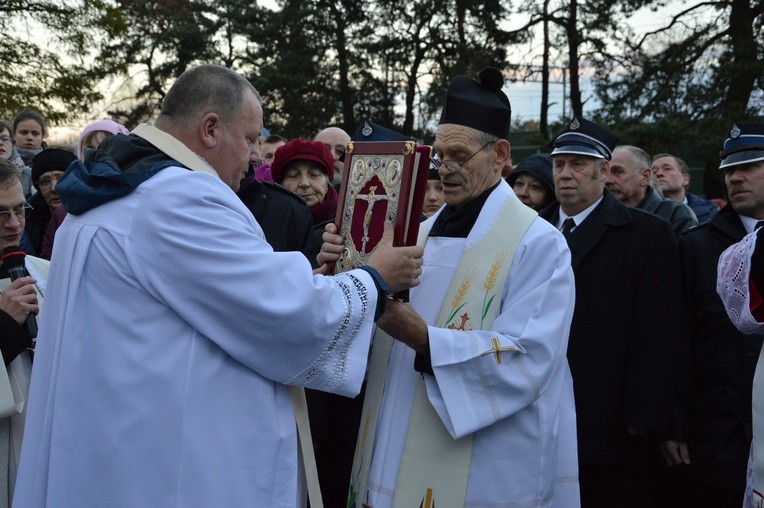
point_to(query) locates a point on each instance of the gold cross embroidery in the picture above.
(496, 349)
(428, 501)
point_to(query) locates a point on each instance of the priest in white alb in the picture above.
(474, 407)
(172, 329)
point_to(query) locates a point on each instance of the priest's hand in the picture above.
(675, 453)
(19, 299)
(402, 323)
(400, 267)
(331, 248)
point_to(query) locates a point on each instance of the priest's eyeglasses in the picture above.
(454, 166)
(20, 213)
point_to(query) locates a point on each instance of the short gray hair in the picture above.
(598, 163)
(484, 138)
(205, 89)
(639, 158)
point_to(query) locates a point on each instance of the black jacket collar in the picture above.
(727, 223)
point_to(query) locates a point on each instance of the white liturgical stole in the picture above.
(435, 467)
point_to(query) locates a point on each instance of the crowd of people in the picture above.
(581, 329)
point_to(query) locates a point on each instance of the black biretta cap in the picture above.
(744, 144)
(479, 104)
(583, 137)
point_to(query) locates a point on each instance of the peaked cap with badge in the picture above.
(744, 144)
(369, 131)
(582, 137)
(479, 104)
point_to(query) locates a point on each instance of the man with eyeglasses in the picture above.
(475, 407)
(628, 324)
(48, 167)
(18, 299)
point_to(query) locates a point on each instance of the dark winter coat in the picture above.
(14, 338)
(678, 214)
(37, 221)
(625, 334)
(704, 209)
(283, 215)
(718, 405)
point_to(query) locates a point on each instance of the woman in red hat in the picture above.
(307, 169)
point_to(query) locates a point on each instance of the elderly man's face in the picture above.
(624, 180)
(479, 173)
(335, 140)
(745, 186)
(578, 182)
(670, 178)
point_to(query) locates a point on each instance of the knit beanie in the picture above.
(106, 125)
(50, 159)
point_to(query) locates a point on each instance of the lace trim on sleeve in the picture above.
(732, 281)
(333, 360)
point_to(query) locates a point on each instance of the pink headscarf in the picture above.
(263, 172)
(100, 125)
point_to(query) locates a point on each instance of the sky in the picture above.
(525, 97)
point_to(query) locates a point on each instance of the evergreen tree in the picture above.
(43, 55)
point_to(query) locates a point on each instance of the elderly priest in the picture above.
(476, 408)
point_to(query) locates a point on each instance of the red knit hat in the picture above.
(302, 150)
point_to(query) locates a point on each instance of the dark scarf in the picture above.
(457, 222)
(325, 210)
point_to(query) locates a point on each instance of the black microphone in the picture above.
(13, 258)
